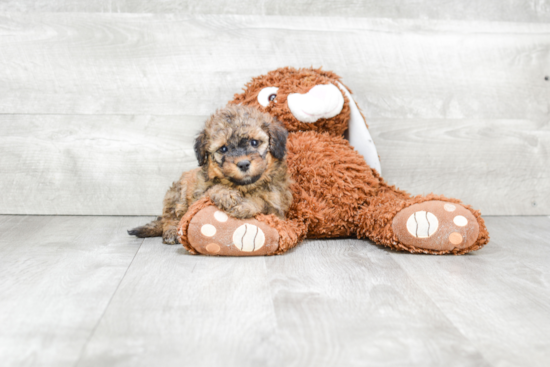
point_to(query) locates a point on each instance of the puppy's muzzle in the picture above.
(244, 165)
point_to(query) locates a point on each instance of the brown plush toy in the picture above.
(337, 189)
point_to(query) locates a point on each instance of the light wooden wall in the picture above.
(100, 101)
(529, 11)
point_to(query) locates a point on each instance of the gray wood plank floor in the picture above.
(77, 291)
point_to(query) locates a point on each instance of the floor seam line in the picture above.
(106, 307)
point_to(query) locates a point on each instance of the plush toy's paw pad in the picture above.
(212, 232)
(436, 225)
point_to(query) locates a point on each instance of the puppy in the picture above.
(242, 169)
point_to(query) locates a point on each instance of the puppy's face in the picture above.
(240, 155)
(240, 145)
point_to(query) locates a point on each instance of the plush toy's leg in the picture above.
(206, 230)
(428, 224)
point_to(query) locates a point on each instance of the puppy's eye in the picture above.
(223, 149)
(254, 143)
(267, 95)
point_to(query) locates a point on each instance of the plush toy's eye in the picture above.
(267, 95)
(223, 149)
(254, 143)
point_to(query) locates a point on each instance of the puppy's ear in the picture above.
(277, 139)
(200, 147)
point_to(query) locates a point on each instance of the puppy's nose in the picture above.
(243, 165)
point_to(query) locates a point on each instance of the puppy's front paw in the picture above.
(170, 237)
(238, 212)
(242, 211)
(224, 199)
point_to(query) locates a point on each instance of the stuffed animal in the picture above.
(337, 187)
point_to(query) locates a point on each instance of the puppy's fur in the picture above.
(242, 168)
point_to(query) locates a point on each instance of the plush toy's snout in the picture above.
(321, 101)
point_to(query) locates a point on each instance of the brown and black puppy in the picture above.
(241, 154)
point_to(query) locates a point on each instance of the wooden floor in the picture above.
(77, 291)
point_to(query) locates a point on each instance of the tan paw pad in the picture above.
(213, 248)
(455, 238)
(213, 232)
(436, 225)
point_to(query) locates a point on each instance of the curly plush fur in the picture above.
(241, 154)
(335, 193)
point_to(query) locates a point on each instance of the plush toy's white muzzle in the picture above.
(326, 101)
(322, 101)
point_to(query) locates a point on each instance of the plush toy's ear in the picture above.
(359, 136)
(200, 148)
(277, 139)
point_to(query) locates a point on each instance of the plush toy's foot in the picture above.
(437, 226)
(212, 232)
